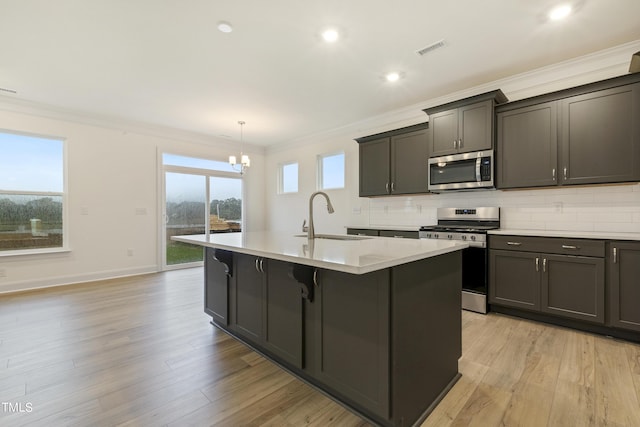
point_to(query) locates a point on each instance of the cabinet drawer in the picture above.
(552, 245)
(399, 233)
(362, 231)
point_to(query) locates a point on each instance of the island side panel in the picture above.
(426, 333)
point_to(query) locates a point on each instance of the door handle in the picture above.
(256, 265)
(393, 187)
(386, 186)
(315, 277)
(261, 265)
(544, 265)
(459, 144)
(514, 243)
(553, 173)
(615, 255)
(570, 247)
(537, 264)
(455, 144)
(565, 173)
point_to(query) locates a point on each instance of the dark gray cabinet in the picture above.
(585, 135)
(267, 306)
(385, 343)
(283, 313)
(352, 336)
(247, 296)
(463, 126)
(623, 265)
(394, 162)
(527, 147)
(600, 136)
(460, 130)
(563, 277)
(216, 290)
(409, 234)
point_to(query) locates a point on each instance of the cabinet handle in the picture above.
(570, 247)
(514, 243)
(565, 173)
(615, 255)
(459, 144)
(398, 237)
(393, 187)
(544, 265)
(261, 265)
(315, 277)
(455, 143)
(386, 186)
(553, 173)
(256, 264)
(537, 264)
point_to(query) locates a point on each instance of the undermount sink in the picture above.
(335, 236)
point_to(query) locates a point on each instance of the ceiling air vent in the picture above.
(430, 48)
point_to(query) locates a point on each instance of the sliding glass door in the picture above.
(200, 196)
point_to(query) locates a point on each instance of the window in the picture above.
(288, 178)
(331, 171)
(31, 193)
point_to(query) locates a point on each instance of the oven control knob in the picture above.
(435, 235)
(464, 237)
(450, 236)
(428, 235)
(473, 238)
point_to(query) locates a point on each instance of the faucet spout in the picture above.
(311, 232)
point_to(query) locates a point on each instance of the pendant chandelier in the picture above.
(245, 162)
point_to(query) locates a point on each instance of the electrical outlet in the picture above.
(130, 252)
(357, 210)
(84, 210)
(141, 211)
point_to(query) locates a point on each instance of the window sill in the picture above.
(42, 251)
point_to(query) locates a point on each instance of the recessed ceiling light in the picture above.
(392, 77)
(560, 12)
(224, 27)
(330, 35)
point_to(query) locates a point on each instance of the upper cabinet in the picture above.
(394, 162)
(463, 126)
(585, 135)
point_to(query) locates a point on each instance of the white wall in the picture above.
(112, 174)
(593, 208)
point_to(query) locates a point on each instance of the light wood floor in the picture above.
(140, 352)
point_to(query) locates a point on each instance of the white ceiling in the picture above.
(164, 62)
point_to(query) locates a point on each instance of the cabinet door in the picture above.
(216, 289)
(527, 140)
(374, 167)
(624, 285)
(573, 287)
(352, 336)
(409, 167)
(443, 133)
(601, 136)
(283, 313)
(514, 279)
(475, 127)
(247, 318)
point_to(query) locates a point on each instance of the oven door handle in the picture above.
(478, 164)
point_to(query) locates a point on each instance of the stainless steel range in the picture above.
(469, 225)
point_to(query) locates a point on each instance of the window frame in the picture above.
(64, 195)
(320, 170)
(281, 180)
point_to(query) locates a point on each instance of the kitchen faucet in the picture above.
(310, 231)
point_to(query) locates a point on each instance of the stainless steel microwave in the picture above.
(465, 171)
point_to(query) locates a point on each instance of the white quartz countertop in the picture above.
(603, 235)
(350, 256)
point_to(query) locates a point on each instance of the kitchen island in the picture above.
(373, 322)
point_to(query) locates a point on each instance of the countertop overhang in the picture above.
(569, 234)
(349, 256)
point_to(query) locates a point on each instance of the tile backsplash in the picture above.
(607, 208)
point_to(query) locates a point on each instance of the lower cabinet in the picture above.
(384, 343)
(623, 265)
(570, 286)
(352, 336)
(266, 306)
